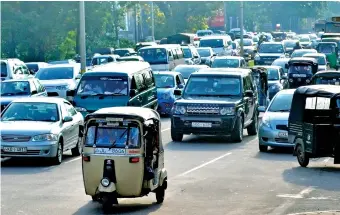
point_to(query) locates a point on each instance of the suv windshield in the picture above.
(281, 103)
(273, 74)
(55, 73)
(204, 52)
(3, 69)
(326, 48)
(271, 48)
(213, 43)
(94, 85)
(14, 88)
(164, 81)
(212, 85)
(187, 53)
(154, 55)
(225, 63)
(304, 39)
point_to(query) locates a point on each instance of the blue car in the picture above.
(19, 88)
(166, 83)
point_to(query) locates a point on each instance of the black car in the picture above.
(216, 102)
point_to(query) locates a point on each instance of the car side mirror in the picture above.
(249, 93)
(196, 57)
(133, 93)
(177, 92)
(181, 86)
(34, 92)
(78, 76)
(67, 119)
(214, 54)
(70, 93)
(261, 109)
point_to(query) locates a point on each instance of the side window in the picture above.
(140, 83)
(70, 110)
(250, 82)
(245, 84)
(171, 57)
(33, 87)
(18, 70)
(133, 83)
(181, 79)
(64, 111)
(36, 86)
(148, 77)
(180, 53)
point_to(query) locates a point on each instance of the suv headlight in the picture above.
(227, 111)
(45, 137)
(80, 109)
(179, 109)
(63, 87)
(257, 57)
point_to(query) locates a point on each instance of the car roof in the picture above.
(209, 37)
(62, 65)
(298, 59)
(54, 100)
(104, 55)
(128, 67)
(173, 73)
(287, 91)
(229, 57)
(282, 59)
(36, 63)
(306, 50)
(191, 66)
(272, 43)
(145, 113)
(223, 71)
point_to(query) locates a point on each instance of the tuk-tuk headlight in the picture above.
(227, 111)
(105, 182)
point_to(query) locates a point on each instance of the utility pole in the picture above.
(225, 17)
(136, 25)
(152, 22)
(241, 28)
(82, 41)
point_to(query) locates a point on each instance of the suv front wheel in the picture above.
(175, 136)
(237, 134)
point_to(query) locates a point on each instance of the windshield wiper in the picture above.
(114, 142)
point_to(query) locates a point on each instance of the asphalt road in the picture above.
(207, 175)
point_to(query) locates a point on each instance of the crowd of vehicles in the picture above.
(111, 113)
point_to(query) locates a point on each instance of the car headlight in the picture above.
(179, 109)
(105, 182)
(45, 137)
(63, 87)
(166, 96)
(80, 109)
(257, 57)
(265, 121)
(227, 111)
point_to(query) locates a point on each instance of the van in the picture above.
(13, 68)
(116, 84)
(222, 45)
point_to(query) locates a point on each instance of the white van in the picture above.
(221, 45)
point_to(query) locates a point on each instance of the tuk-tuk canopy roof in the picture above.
(307, 60)
(140, 113)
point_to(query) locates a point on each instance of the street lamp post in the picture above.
(152, 22)
(241, 29)
(82, 41)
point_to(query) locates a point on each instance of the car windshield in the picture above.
(154, 55)
(280, 63)
(327, 80)
(211, 85)
(187, 53)
(255, 39)
(115, 137)
(203, 33)
(55, 73)
(103, 85)
(271, 48)
(31, 111)
(212, 43)
(204, 52)
(300, 53)
(273, 74)
(281, 103)
(14, 88)
(300, 69)
(164, 81)
(226, 63)
(3, 69)
(185, 71)
(121, 53)
(289, 43)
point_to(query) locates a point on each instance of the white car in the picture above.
(58, 79)
(14, 68)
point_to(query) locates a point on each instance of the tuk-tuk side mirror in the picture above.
(177, 92)
(249, 93)
(261, 109)
(133, 93)
(70, 93)
(67, 119)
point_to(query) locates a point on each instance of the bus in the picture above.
(333, 26)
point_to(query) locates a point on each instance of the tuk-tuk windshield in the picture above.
(328, 80)
(115, 137)
(300, 69)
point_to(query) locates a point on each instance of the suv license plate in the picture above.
(15, 149)
(201, 124)
(283, 134)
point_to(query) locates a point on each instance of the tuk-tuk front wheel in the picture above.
(108, 201)
(302, 156)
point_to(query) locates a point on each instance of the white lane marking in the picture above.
(165, 129)
(335, 212)
(203, 165)
(72, 160)
(326, 160)
(300, 195)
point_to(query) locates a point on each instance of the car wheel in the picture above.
(302, 156)
(76, 151)
(253, 127)
(175, 136)
(263, 148)
(59, 155)
(237, 134)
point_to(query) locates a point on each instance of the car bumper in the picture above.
(270, 137)
(33, 149)
(220, 125)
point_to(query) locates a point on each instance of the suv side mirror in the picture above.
(177, 92)
(249, 93)
(133, 93)
(70, 93)
(78, 76)
(67, 119)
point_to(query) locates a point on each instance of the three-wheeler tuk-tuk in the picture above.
(331, 77)
(123, 156)
(301, 71)
(260, 77)
(331, 50)
(314, 123)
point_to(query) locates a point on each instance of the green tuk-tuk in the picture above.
(331, 50)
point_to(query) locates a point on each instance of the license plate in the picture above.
(201, 124)
(113, 151)
(283, 134)
(15, 149)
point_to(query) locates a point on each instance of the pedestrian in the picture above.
(297, 46)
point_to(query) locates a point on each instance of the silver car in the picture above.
(273, 129)
(40, 127)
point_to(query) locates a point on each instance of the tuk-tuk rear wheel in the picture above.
(160, 193)
(302, 156)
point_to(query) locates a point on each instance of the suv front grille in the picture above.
(203, 109)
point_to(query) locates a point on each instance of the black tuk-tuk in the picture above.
(314, 123)
(260, 77)
(300, 71)
(331, 77)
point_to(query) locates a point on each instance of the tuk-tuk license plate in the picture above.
(299, 75)
(15, 149)
(113, 151)
(283, 134)
(201, 125)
